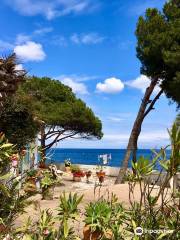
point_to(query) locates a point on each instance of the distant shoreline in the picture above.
(91, 156)
(104, 148)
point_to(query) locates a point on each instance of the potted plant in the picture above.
(31, 176)
(88, 175)
(42, 165)
(77, 173)
(101, 175)
(97, 218)
(30, 188)
(67, 164)
(47, 185)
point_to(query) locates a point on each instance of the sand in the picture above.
(91, 192)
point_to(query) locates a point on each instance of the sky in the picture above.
(90, 46)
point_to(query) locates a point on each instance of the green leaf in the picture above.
(6, 145)
(27, 237)
(134, 224)
(163, 235)
(66, 228)
(6, 176)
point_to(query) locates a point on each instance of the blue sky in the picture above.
(90, 46)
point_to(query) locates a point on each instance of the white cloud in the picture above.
(145, 137)
(30, 51)
(22, 38)
(87, 39)
(110, 85)
(59, 41)
(78, 78)
(154, 140)
(77, 87)
(75, 38)
(51, 9)
(115, 119)
(141, 83)
(4, 46)
(43, 30)
(92, 38)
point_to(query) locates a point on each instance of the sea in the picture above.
(91, 156)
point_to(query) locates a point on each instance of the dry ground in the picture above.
(90, 192)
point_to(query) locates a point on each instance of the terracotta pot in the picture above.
(30, 189)
(42, 165)
(88, 235)
(78, 175)
(101, 176)
(68, 169)
(2, 228)
(76, 179)
(97, 235)
(32, 180)
(88, 175)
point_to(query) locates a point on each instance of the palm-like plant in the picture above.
(10, 76)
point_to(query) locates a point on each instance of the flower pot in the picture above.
(78, 175)
(48, 193)
(68, 169)
(88, 235)
(101, 176)
(30, 188)
(96, 235)
(3, 228)
(32, 180)
(42, 165)
(76, 178)
(88, 175)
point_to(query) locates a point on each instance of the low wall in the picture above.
(113, 172)
(110, 171)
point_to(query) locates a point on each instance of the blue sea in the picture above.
(90, 156)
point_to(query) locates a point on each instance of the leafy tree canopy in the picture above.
(56, 105)
(10, 77)
(15, 120)
(17, 123)
(158, 47)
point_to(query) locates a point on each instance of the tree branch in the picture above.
(51, 130)
(54, 133)
(152, 103)
(52, 143)
(56, 140)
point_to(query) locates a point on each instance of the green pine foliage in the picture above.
(57, 106)
(158, 47)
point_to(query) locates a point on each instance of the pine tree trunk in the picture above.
(43, 144)
(132, 144)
